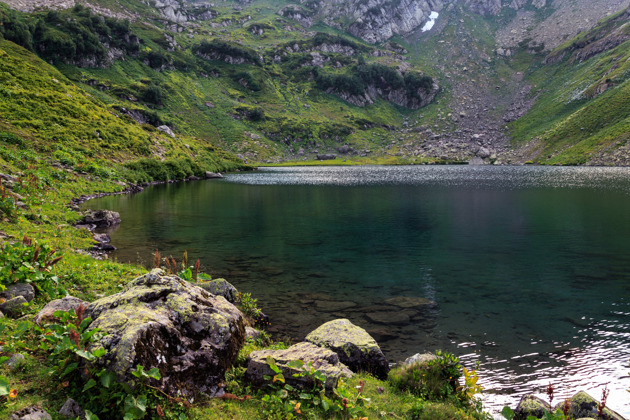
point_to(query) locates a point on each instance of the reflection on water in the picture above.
(525, 269)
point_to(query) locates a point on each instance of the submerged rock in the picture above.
(406, 302)
(161, 321)
(324, 360)
(354, 346)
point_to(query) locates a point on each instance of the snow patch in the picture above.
(432, 18)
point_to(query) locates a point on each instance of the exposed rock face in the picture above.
(303, 16)
(400, 97)
(321, 359)
(161, 321)
(484, 7)
(373, 20)
(354, 346)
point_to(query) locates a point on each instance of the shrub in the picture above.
(29, 262)
(220, 49)
(434, 380)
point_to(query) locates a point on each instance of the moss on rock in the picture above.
(161, 321)
(355, 347)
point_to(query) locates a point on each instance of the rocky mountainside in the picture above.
(292, 80)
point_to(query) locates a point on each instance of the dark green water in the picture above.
(529, 267)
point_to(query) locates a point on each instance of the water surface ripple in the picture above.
(526, 269)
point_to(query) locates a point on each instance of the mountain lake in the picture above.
(525, 269)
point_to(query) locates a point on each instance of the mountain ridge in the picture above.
(450, 94)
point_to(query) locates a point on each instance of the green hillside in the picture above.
(582, 110)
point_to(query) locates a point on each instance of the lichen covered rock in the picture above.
(324, 360)
(531, 405)
(354, 346)
(220, 287)
(583, 405)
(161, 321)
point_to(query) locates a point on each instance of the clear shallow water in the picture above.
(529, 267)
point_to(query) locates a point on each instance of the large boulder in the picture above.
(161, 321)
(324, 360)
(102, 218)
(354, 346)
(583, 405)
(531, 405)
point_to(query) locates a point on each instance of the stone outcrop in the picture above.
(354, 346)
(373, 21)
(324, 360)
(161, 321)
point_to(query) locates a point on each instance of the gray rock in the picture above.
(326, 157)
(161, 321)
(71, 409)
(324, 360)
(483, 153)
(531, 405)
(101, 218)
(102, 238)
(19, 289)
(166, 129)
(211, 175)
(46, 314)
(220, 287)
(583, 405)
(419, 358)
(252, 333)
(16, 360)
(13, 307)
(31, 413)
(354, 346)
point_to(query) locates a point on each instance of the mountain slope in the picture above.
(273, 81)
(582, 112)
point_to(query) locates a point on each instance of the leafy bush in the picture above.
(434, 380)
(144, 170)
(246, 79)
(283, 401)
(14, 27)
(219, 49)
(152, 94)
(11, 138)
(29, 262)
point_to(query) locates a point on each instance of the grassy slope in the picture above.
(574, 123)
